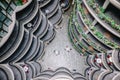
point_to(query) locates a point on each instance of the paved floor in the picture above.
(60, 53)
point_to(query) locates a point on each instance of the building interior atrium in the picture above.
(59, 39)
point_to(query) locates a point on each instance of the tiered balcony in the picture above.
(65, 4)
(43, 27)
(49, 35)
(6, 73)
(12, 43)
(97, 32)
(30, 34)
(107, 65)
(42, 3)
(32, 50)
(53, 11)
(96, 74)
(39, 53)
(61, 73)
(19, 71)
(100, 17)
(50, 8)
(56, 18)
(116, 3)
(80, 36)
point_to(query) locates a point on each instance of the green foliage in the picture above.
(18, 2)
(103, 16)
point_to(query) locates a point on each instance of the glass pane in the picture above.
(12, 5)
(7, 22)
(3, 11)
(0, 25)
(10, 10)
(2, 17)
(5, 28)
(3, 33)
(5, 5)
(1, 5)
(8, 1)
